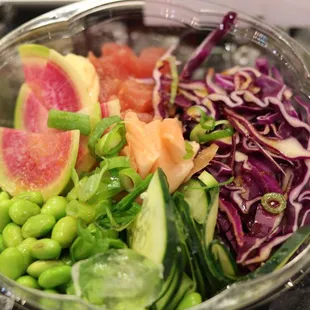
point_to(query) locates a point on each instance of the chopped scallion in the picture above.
(68, 121)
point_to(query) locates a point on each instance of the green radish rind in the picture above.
(24, 92)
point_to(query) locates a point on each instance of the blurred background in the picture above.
(291, 16)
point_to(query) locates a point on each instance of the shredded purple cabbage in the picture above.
(269, 151)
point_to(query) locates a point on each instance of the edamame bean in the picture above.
(2, 246)
(189, 300)
(55, 206)
(50, 291)
(12, 235)
(4, 213)
(33, 196)
(38, 226)
(65, 231)
(70, 290)
(11, 263)
(55, 276)
(28, 281)
(21, 210)
(45, 249)
(4, 196)
(25, 248)
(39, 266)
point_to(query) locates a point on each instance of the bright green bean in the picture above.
(4, 196)
(28, 281)
(25, 248)
(55, 206)
(70, 290)
(189, 300)
(4, 213)
(46, 249)
(65, 231)
(34, 196)
(39, 266)
(21, 210)
(55, 276)
(2, 246)
(50, 291)
(12, 263)
(38, 226)
(12, 235)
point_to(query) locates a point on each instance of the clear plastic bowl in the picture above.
(84, 26)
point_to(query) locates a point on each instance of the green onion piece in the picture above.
(274, 203)
(99, 130)
(127, 201)
(189, 151)
(87, 190)
(222, 122)
(208, 179)
(197, 113)
(175, 79)
(130, 179)
(68, 121)
(116, 162)
(112, 142)
(196, 132)
(216, 135)
(75, 178)
(81, 210)
(208, 123)
(226, 182)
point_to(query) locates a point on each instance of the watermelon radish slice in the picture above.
(53, 79)
(37, 161)
(30, 114)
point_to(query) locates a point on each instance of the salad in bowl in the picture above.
(146, 181)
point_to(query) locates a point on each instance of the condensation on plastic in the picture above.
(86, 25)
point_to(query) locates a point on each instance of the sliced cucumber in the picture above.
(187, 285)
(211, 218)
(154, 233)
(224, 263)
(206, 283)
(196, 197)
(283, 254)
(165, 301)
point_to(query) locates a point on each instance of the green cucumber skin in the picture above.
(192, 188)
(205, 284)
(283, 254)
(173, 243)
(217, 267)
